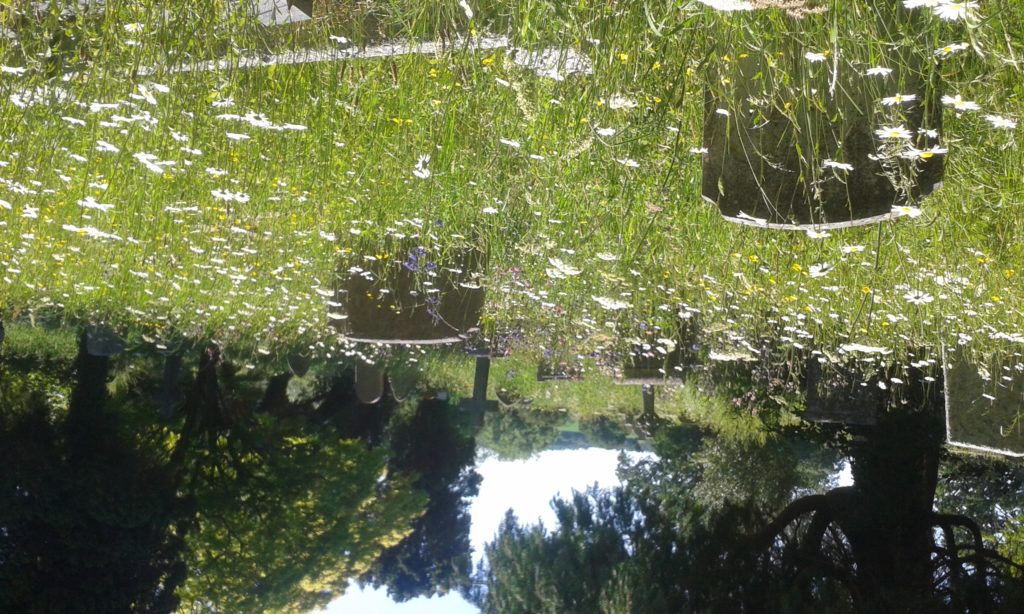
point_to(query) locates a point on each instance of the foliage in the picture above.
(515, 433)
(431, 447)
(91, 521)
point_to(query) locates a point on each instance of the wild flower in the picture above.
(864, 349)
(102, 145)
(817, 234)
(628, 162)
(611, 304)
(90, 203)
(421, 170)
(560, 269)
(960, 104)
(917, 297)
(230, 196)
(906, 211)
(605, 131)
(843, 166)
(948, 50)
(819, 270)
(880, 71)
(1001, 122)
(152, 163)
(893, 132)
(510, 143)
(898, 99)
(952, 11)
(815, 57)
(145, 94)
(621, 102)
(913, 153)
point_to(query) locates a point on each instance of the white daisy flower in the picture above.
(950, 49)
(918, 297)
(843, 166)
(952, 11)
(421, 170)
(898, 99)
(1001, 122)
(906, 211)
(960, 104)
(611, 304)
(893, 132)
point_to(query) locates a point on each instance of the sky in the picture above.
(525, 486)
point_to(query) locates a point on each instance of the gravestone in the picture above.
(281, 12)
(369, 383)
(100, 340)
(838, 396)
(478, 404)
(984, 409)
(393, 304)
(776, 155)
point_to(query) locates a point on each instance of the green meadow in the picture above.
(145, 189)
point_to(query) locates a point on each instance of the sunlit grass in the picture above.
(594, 171)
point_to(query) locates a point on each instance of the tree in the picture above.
(288, 509)
(515, 433)
(432, 447)
(657, 544)
(91, 522)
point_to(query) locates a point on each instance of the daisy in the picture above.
(814, 57)
(620, 102)
(898, 99)
(605, 131)
(610, 304)
(913, 153)
(949, 50)
(893, 132)
(906, 211)
(952, 11)
(880, 71)
(843, 166)
(917, 297)
(1001, 122)
(421, 170)
(90, 203)
(819, 270)
(561, 270)
(960, 104)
